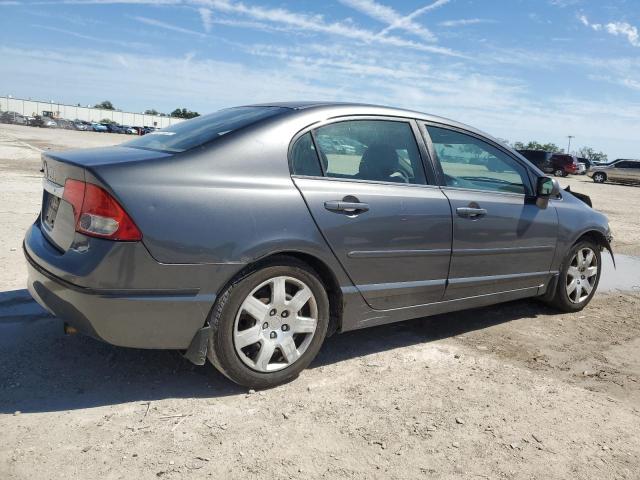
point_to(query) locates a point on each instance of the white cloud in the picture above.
(206, 17)
(92, 38)
(464, 22)
(167, 26)
(626, 30)
(615, 28)
(317, 24)
(392, 18)
(406, 22)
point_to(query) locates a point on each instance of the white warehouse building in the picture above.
(31, 108)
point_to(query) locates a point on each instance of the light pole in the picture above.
(569, 147)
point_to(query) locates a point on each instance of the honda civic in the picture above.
(250, 235)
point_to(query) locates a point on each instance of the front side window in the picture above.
(374, 150)
(468, 162)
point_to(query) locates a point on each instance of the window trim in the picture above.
(441, 181)
(431, 178)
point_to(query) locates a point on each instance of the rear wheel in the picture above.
(560, 173)
(599, 177)
(270, 325)
(579, 277)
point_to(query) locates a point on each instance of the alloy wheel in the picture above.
(275, 324)
(582, 275)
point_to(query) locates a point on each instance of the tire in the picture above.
(560, 173)
(599, 177)
(568, 300)
(237, 319)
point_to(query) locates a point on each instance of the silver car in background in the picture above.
(621, 170)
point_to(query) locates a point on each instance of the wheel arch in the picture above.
(599, 238)
(320, 267)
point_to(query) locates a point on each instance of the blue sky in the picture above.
(518, 69)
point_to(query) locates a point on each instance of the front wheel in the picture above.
(269, 326)
(579, 277)
(599, 177)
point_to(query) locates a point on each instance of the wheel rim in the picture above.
(599, 177)
(275, 324)
(582, 275)
(559, 173)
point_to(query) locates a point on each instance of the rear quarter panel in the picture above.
(231, 202)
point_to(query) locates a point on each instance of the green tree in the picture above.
(109, 121)
(534, 145)
(590, 154)
(184, 113)
(106, 105)
(151, 112)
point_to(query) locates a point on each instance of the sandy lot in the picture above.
(512, 391)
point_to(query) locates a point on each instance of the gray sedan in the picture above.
(620, 170)
(249, 235)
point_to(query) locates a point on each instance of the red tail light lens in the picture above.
(98, 214)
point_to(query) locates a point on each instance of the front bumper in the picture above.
(117, 293)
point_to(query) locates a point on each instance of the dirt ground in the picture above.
(513, 391)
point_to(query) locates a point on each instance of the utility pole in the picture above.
(569, 147)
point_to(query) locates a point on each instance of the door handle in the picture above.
(470, 212)
(350, 208)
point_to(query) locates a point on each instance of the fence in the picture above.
(73, 112)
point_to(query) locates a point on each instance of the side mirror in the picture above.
(546, 188)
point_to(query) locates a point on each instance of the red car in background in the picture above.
(564, 164)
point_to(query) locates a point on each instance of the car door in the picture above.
(502, 241)
(625, 170)
(366, 188)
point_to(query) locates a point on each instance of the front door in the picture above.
(502, 241)
(370, 198)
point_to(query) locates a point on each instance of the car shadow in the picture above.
(359, 343)
(43, 370)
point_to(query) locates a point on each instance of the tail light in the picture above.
(98, 214)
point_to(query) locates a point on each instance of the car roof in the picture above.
(328, 109)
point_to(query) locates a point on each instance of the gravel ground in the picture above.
(511, 391)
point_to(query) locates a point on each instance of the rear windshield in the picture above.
(200, 130)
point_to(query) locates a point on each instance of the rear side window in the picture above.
(198, 131)
(377, 150)
(304, 158)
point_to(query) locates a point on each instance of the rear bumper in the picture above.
(165, 311)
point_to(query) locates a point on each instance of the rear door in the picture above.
(369, 195)
(626, 170)
(501, 240)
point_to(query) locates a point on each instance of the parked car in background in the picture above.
(129, 130)
(564, 164)
(582, 168)
(43, 122)
(539, 158)
(14, 118)
(588, 163)
(98, 127)
(113, 128)
(621, 170)
(235, 236)
(66, 124)
(82, 126)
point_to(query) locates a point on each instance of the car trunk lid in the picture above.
(57, 219)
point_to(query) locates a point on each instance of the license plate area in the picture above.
(50, 210)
